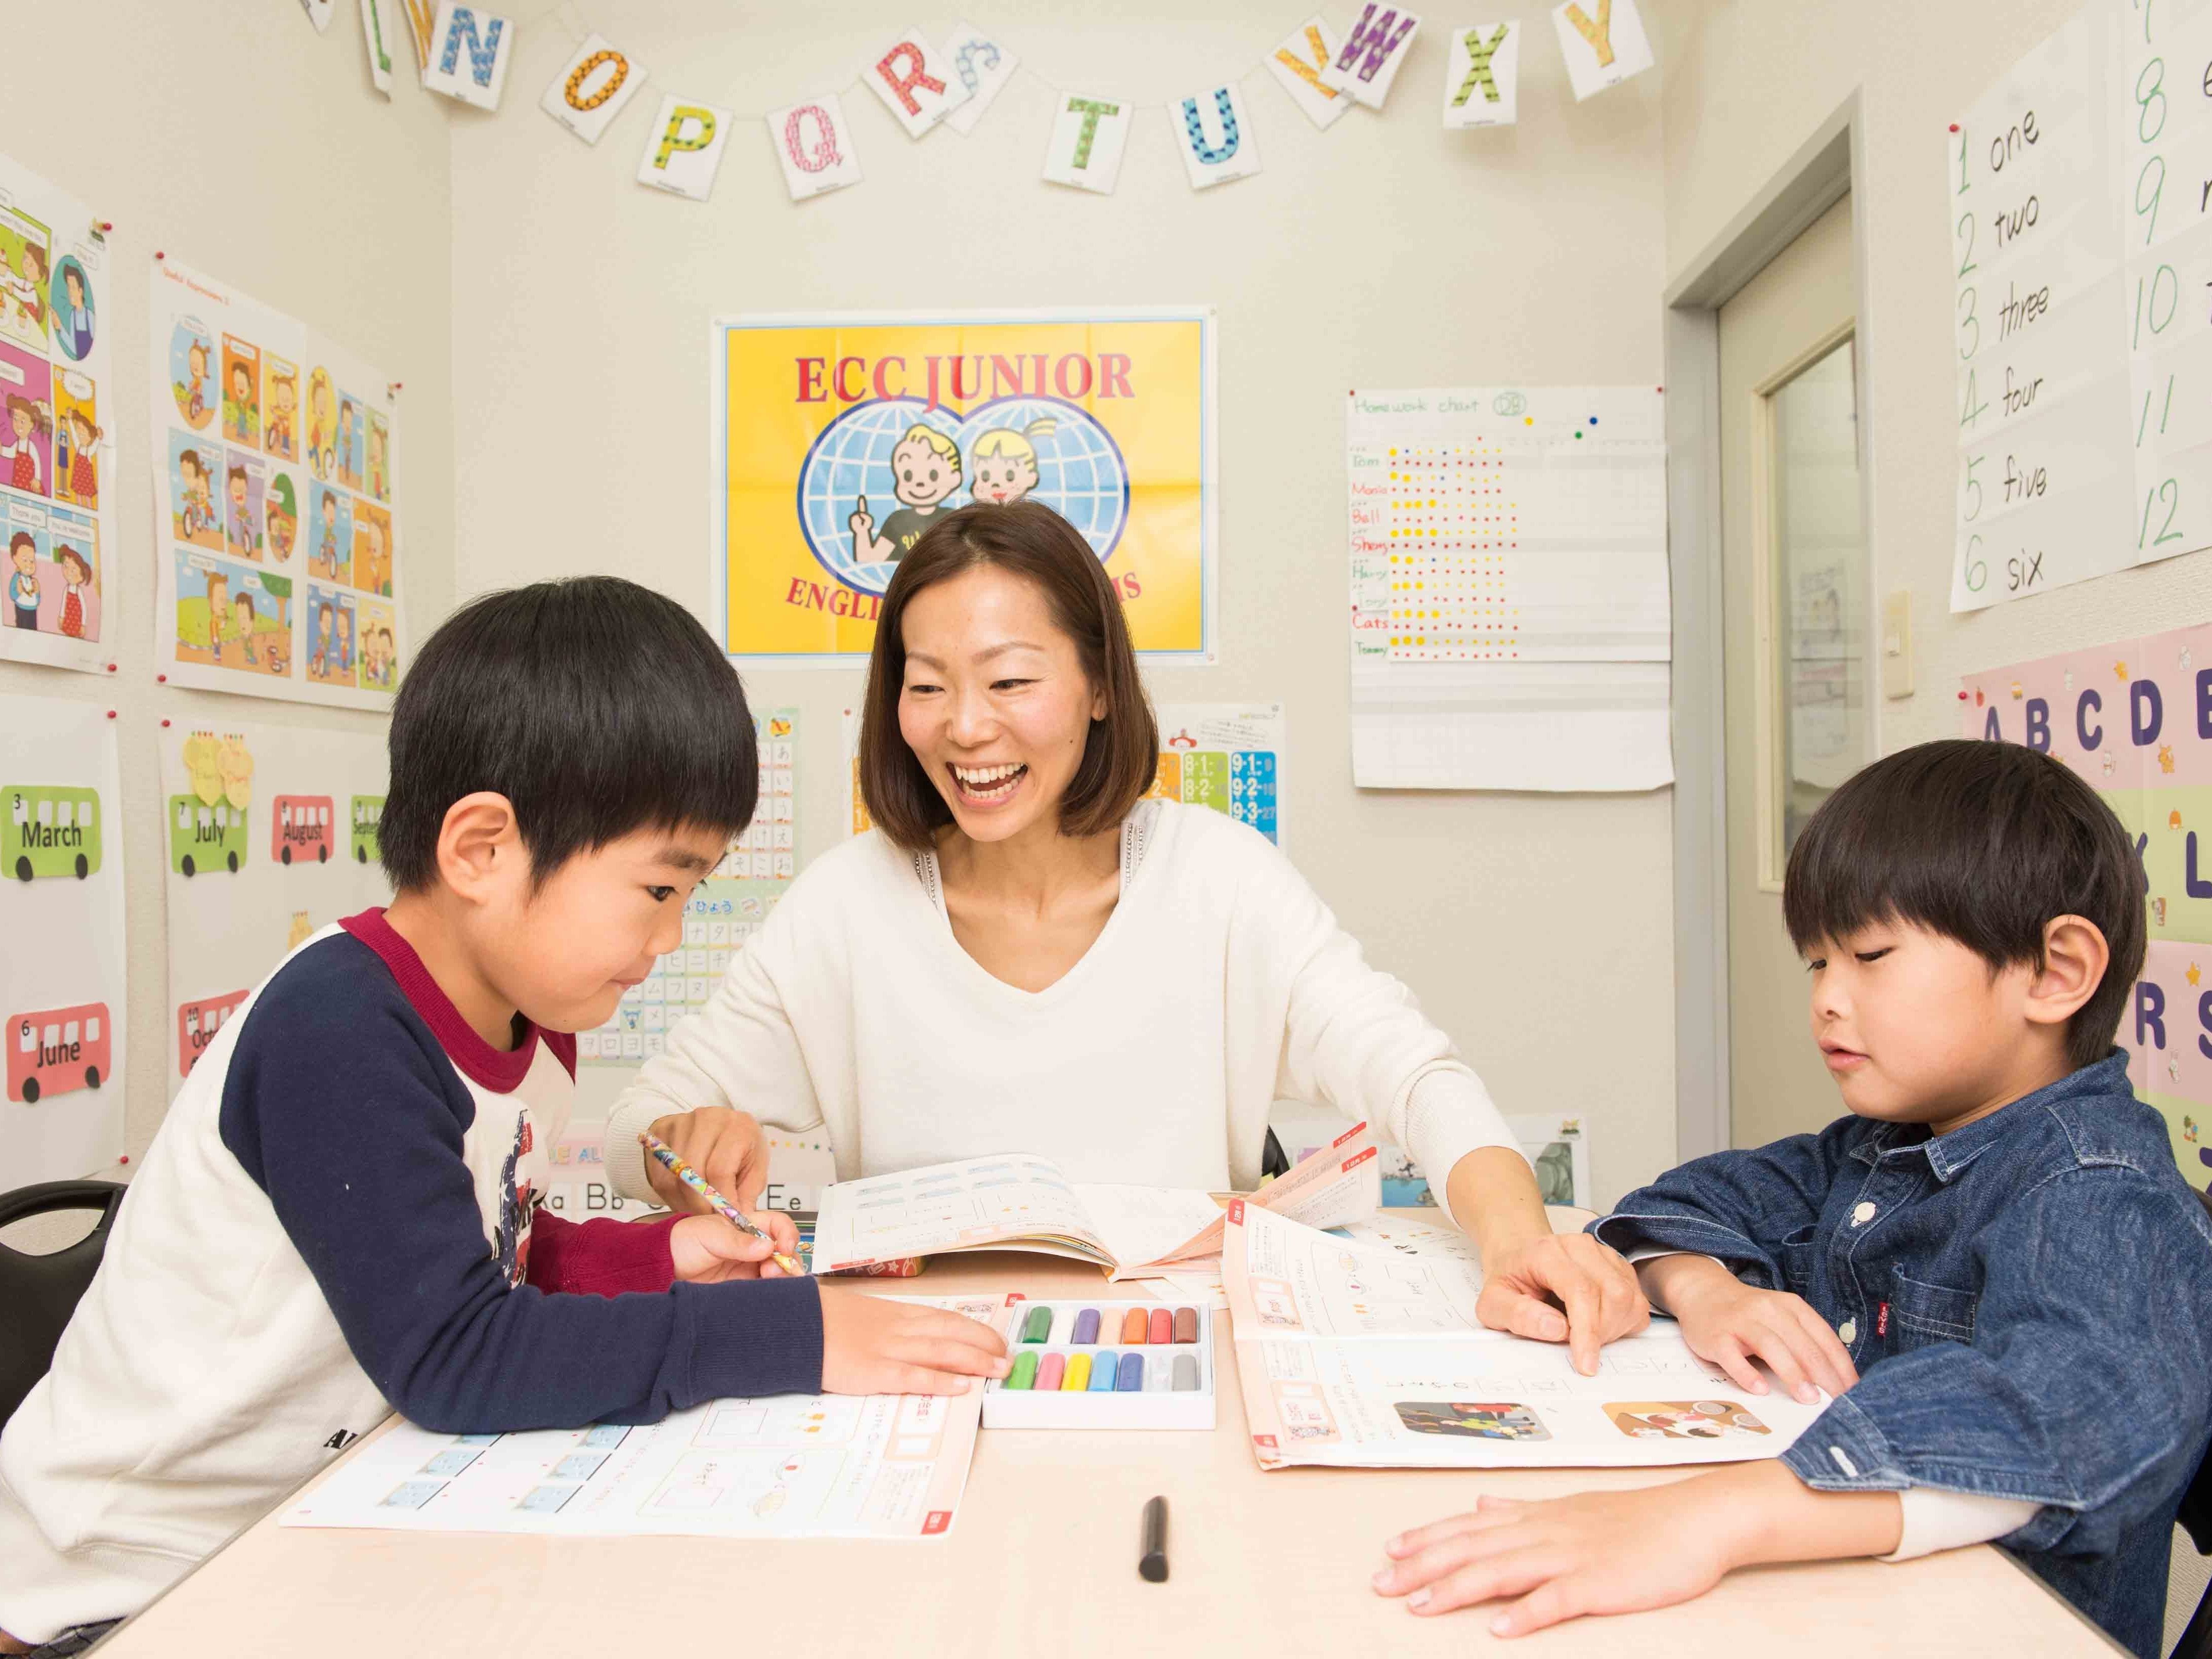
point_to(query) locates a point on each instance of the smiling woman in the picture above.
(1028, 955)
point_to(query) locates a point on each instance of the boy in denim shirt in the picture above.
(1993, 1262)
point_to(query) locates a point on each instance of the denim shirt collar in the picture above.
(1948, 1155)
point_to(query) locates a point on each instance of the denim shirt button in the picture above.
(1863, 1214)
(1848, 1330)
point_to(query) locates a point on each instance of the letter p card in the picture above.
(683, 147)
(592, 88)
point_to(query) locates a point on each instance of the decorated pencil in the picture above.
(722, 1206)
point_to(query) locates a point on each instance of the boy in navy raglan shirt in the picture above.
(1991, 1263)
(336, 1218)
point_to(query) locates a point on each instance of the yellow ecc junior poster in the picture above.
(840, 439)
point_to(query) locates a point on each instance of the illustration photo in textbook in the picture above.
(57, 522)
(279, 539)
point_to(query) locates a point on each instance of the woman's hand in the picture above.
(722, 1144)
(708, 1249)
(1527, 1283)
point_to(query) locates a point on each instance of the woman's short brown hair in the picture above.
(1120, 757)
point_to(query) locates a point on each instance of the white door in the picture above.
(1797, 693)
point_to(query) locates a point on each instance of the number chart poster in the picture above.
(724, 911)
(277, 532)
(2082, 260)
(839, 439)
(269, 834)
(61, 909)
(2133, 718)
(56, 460)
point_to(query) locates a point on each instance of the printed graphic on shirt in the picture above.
(1683, 1420)
(1471, 1421)
(511, 1242)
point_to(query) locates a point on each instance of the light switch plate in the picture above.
(1897, 643)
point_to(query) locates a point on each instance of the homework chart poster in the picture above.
(57, 462)
(279, 546)
(839, 439)
(62, 975)
(2133, 718)
(268, 834)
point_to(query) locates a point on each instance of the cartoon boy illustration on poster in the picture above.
(322, 424)
(1003, 462)
(218, 613)
(278, 426)
(77, 576)
(73, 318)
(23, 580)
(330, 646)
(281, 516)
(190, 352)
(379, 457)
(925, 469)
(191, 495)
(348, 442)
(243, 625)
(371, 549)
(242, 392)
(331, 554)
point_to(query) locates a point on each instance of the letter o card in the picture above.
(917, 83)
(1481, 72)
(981, 67)
(592, 88)
(683, 147)
(815, 147)
(1603, 42)
(1088, 136)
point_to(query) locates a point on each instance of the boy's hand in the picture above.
(1592, 1281)
(722, 1144)
(1726, 1322)
(707, 1249)
(873, 1344)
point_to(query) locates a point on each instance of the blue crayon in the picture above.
(1103, 1372)
(1131, 1379)
(1086, 1328)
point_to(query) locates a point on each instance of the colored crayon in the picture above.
(1131, 1379)
(1076, 1379)
(1049, 1372)
(1104, 1369)
(1133, 1326)
(1086, 1327)
(1185, 1326)
(1162, 1327)
(1157, 1374)
(1186, 1372)
(1037, 1327)
(1024, 1371)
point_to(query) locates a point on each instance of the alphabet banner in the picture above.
(269, 834)
(2134, 719)
(56, 403)
(276, 539)
(62, 975)
(839, 439)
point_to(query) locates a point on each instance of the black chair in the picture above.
(38, 1293)
(2196, 1519)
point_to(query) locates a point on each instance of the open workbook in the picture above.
(1370, 1355)
(1018, 1201)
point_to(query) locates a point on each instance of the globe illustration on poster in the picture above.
(1055, 452)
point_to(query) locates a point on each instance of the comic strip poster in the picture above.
(278, 548)
(56, 459)
(62, 976)
(838, 439)
(2134, 719)
(269, 834)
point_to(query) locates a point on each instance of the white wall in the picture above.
(1745, 82)
(233, 137)
(1386, 251)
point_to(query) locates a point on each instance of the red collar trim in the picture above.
(501, 1071)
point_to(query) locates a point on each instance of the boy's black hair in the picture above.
(1984, 843)
(597, 706)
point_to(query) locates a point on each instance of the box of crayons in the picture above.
(1091, 1365)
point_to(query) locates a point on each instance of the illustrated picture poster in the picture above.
(62, 976)
(277, 528)
(56, 461)
(269, 833)
(839, 439)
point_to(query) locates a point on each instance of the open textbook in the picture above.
(1019, 1201)
(795, 1466)
(1360, 1354)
